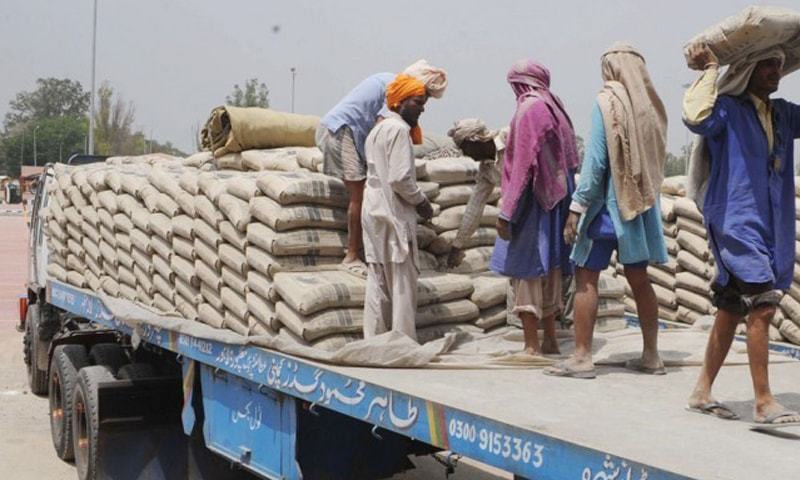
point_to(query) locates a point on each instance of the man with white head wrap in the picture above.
(742, 178)
(485, 146)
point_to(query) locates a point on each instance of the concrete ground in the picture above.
(26, 451)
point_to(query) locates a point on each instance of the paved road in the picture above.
(26, 452)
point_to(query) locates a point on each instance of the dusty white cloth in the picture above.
(390, 303)
(391, 194)
(435, 79)
(470, 129)
(636, 129)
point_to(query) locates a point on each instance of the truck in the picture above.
(131, 399)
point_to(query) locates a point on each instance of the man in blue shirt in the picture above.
(742, 173)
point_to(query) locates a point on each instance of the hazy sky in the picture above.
(177, 59)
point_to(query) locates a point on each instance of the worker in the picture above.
(341, 135)
(538, 178)
(616, 205)
(742, 177)
(392, 200)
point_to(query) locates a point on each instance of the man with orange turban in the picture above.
(392, 200)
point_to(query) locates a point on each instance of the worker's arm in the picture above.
(402, 174)
(591, 186)
(702, 113)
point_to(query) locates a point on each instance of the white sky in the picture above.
(177, 59)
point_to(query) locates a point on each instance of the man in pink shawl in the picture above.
(538, 180)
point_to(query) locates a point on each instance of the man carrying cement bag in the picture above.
(392, 200)
(741, 175)
(341, 136)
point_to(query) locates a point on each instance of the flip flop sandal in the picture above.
(772, 420)
(561, 369)
(637, 366)
(715, 409)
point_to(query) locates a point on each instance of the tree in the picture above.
(113, 121)
(53, 97)
(254, 95)
(56, 139)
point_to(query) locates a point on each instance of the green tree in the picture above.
(56, 139)
(254, 94)
(53, 97)
(113, 120)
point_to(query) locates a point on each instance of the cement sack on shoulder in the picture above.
(452, 170)
(207, 211)
(321, 324)
(141, 240)
(183, 226)
(208, 275)
(610, 308)
(475, 260)
(694, 301)
(435, 332)
(662, 278)
(230, 234)
(695, 244)
(288, 188)
(210, 315)
(243, 187)
(425, 236)
(234, 129)
(450, 218)
(692, 226)
(306, 241)
(233, 279)
(261, 261)
(57, 272)
(236, 210)
(451, 195)
(791, 308)
(234, 302)
(263, 319)
(693, 283)
(282, 218)
(184, 270)
(490, 290)
(456, 311)
(309, 293)
(233, 258)
(675, 185)
(695, 265)
(492, 317)
(483, 236)
(161, 247)
(230, 161)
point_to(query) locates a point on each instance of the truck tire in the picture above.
(86, 420)
(110, 355)
(37, 379)
(135, 371)
(67, 361)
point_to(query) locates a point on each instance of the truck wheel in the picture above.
(134, 371)
(86, 420)
(37, 379)
(67, 361)
(110, 355)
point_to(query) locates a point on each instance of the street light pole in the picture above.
(294, 73)
(34, 144)
(92, 100)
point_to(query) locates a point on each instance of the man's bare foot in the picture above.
(652, 367)
(774, 413)
(550, 347)
(534, 351)
(702, 402)
(573, 367)
(355, 267)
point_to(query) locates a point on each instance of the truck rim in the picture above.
(56, 404)
(81, 433)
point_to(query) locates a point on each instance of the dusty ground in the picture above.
(26, 452)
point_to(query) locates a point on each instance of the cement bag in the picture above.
(58, 213)
(57, 272)
(207, 233)
(261, 285)
(161, 247)
(611, 324)
(456, 311)
(475, 260)
(670, 230)
(450, 218)
(90, 233)
(321, 324)
(282, 218)
(161, 225)
(435, 332)
(790, 332)
(310, 158)
(452, 170)
(186, 310)
(230, 161)
(233, 258)
(754, 29)
(490, 290)
(442, 287)
(122, 223)
(492, 317)
(665, 296)
(263, 319)
(687, 315)
(269, 265)
(165, 182)
(243, 187)
(212, 297)
(163, 268)
(662, 278)
(425, 236)
(237, 324)
(233, 279)
(277, 160)
(233, 129)
(206, 210)
(483, 236)
(794, 291)
(184, 270)
(234, 302)
(198, 159)
(432, 142)
(127, 292)
(686, 208)
(672, 246)
(694, 301)
(183, 226)
(144, 281)
(210, 315)
(208, 275)
(309, 293)
(236, 210)
(690, 281)
(188, 182)
(108, 200)
(693, 264)
(429, 189)
(667, 209)
(74, 217)
(691, 226)
(460, 194)
(230, 234)
(143, 260)
(791, 308)
(141, 219)
(306, 241)
(667, 314)
(610, 287)
(92, 281)
(671, 266)
(124, 258)
(333, 343)
(675, 185)
(126, 276)
(610, 308)
(109, 285)
(288, 188)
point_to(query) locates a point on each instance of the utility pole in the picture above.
(294, 74)
(34, 144)
(92, 100)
